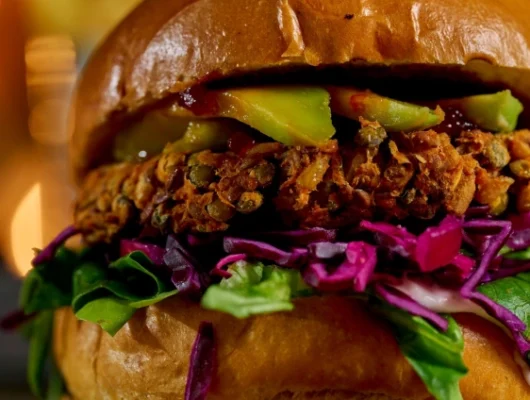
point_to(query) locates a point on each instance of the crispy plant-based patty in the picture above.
(377, 175)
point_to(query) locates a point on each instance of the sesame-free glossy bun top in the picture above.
(166, 46)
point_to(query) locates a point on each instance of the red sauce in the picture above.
(357, 102)
(454, 122)
(240, 143)
(199, 101)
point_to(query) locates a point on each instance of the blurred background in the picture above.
(43, 45)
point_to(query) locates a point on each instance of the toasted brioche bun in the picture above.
(166, 46)
(328, 348)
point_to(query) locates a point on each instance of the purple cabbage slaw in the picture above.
(520, 237)
(353, 272)
(47, 254)
(497, 233)
(202, 363)
(424, 250)
(399, 300)
(301, 237)
(261, 250)
(154, 252)
(14, 320)
(182, 266)
(392, 253)
(342, 265)
(508, 319)
(225, 262)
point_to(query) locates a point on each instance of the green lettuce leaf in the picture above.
(110, 313)
(56, 386)
(129, 278)
(512, 293)
(108, 296)
(38, 332)
(49, 286)
(93, 282)
(104, 294)
(153, 300)
(521, 255)
(255, 289)
(40, 329)
(137, 270)
(435, 356)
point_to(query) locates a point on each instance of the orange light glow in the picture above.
(26, 229)
(50, 76)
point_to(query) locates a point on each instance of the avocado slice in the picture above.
(393, 115)
(497, 112)
(184, 134)
(290, 115)
(148, 136)
(205, 134)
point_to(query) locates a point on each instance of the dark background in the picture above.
(43, 44)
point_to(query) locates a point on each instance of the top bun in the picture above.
(166, 46)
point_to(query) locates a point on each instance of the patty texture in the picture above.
(372, 175)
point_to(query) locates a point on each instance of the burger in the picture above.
(295, 199)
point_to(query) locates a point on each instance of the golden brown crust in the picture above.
(327, 348)
(165, 46)
(161, 196)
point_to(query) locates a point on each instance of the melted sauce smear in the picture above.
(240, 143)
(454, 122)
(199, 101)
(357, 102)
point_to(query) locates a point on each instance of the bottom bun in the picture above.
(328, 348)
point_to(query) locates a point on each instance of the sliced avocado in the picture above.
(496, 112)
(205, 134)
(149, 136)
(290, 115)
(393, 115)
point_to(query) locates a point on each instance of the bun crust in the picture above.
(166, 46)
(329, 348)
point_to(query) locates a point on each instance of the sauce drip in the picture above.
(199, 101)
(454, 123)
(240, 143)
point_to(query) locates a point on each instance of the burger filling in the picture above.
(246, 199)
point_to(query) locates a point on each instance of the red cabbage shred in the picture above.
(202, 363)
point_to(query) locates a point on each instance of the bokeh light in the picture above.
(53, 40)
(26, 227)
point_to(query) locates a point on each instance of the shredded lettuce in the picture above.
(437, 357)
(255, 289)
